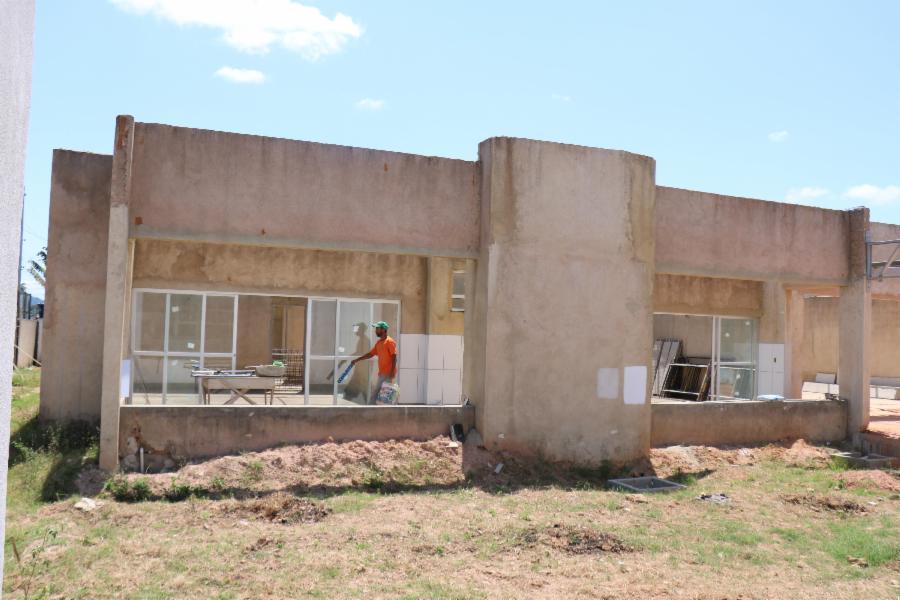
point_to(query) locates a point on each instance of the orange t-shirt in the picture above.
(385, 350)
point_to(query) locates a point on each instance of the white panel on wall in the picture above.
(422, 391)
(409, 386)
(410, 348)
(433, 389)
(453, 352)
(778, 354)
(451, 386)
(635, 385)
(435, 352)
(764, 385)
(778, 384)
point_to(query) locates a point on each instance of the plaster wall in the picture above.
(27, 342)
(685, 294)
(215, 186)
(705, 234)
(200, 431)
(76, 286)
(718, 423)
(254, 338)
(441, 320)
(695, 333)
(286, 271)
(821, 341)
(563, 289)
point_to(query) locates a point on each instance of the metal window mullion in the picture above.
(234, 324)
(202, 329)
(337, 333)
(165, 372)
(306, 351)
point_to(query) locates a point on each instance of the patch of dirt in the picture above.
(582, 540)
(279, 507)
(90, 481)
(665, 462)
(825, 503)
(870, 479)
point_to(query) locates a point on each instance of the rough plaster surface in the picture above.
(717, 423)
(571, 228)
(292, 271)
(723, 236)
(16, 55)
(198, 431)
(76, 286)
(684, 294)
(197, 184)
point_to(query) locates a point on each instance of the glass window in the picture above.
(458, 292)
(184, 322)
(323, 315)
(147, 378)
(150, 308)
(219, 334)
(355, 335)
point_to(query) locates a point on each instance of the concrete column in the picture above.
(558, 348)
(793, 344)
(117, 284)
(855, 328)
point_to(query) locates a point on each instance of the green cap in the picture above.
(382, 324)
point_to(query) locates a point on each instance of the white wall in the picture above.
(430, 369)
(16, 38)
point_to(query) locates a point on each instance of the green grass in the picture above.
(44, 458)
(877, 543)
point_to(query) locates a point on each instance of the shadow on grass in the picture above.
(68, 447)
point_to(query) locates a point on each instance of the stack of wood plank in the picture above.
(687, 379)
(665, 352)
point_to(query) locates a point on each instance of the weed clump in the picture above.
(124, 490)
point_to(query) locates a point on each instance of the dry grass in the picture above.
(298, 532)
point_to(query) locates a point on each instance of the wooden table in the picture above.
(239, 386)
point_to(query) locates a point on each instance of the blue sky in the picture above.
(792, 101)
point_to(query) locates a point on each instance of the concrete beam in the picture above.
(117, 284)
(855, 327)
(793, 344)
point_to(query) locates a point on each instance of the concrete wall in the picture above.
(209, 185)
(706, 234)
(278, 271)
(254, 336)
(558, 348)
(198, 431)
(821, 340)
(720, 423)
(441, 320)
(695, 333)
(76, 286)
(684, 294)
(16, 55)
(27, 341)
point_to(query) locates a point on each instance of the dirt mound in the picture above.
(666, 462)
(825, 503)
(582, 540)
(279, 507)
(870, 479)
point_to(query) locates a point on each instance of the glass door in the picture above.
(734, 358)
(338, 331)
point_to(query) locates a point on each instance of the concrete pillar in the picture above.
(855, 328)
(117, 285)
(559, 342)
(793, 344)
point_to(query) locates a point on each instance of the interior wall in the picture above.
(254, 335)
(695, 333)
(821, 340)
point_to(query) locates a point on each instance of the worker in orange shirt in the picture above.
(386, 351)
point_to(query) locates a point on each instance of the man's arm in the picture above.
(394, 368)
(365, 356)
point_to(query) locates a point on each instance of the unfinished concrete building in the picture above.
(551, 295)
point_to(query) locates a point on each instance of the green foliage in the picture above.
(178, 491)
(26, 377)
(123, 489)
(253, 472)
(858, 538)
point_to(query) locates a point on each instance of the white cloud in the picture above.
(872, 194)
(778, 136)
(805, 194)
(561, 97)
(370, 104)
(255, 26)
(241, 75)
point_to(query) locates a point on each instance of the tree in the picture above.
(38, 268)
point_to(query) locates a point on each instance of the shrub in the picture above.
(124, 490)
